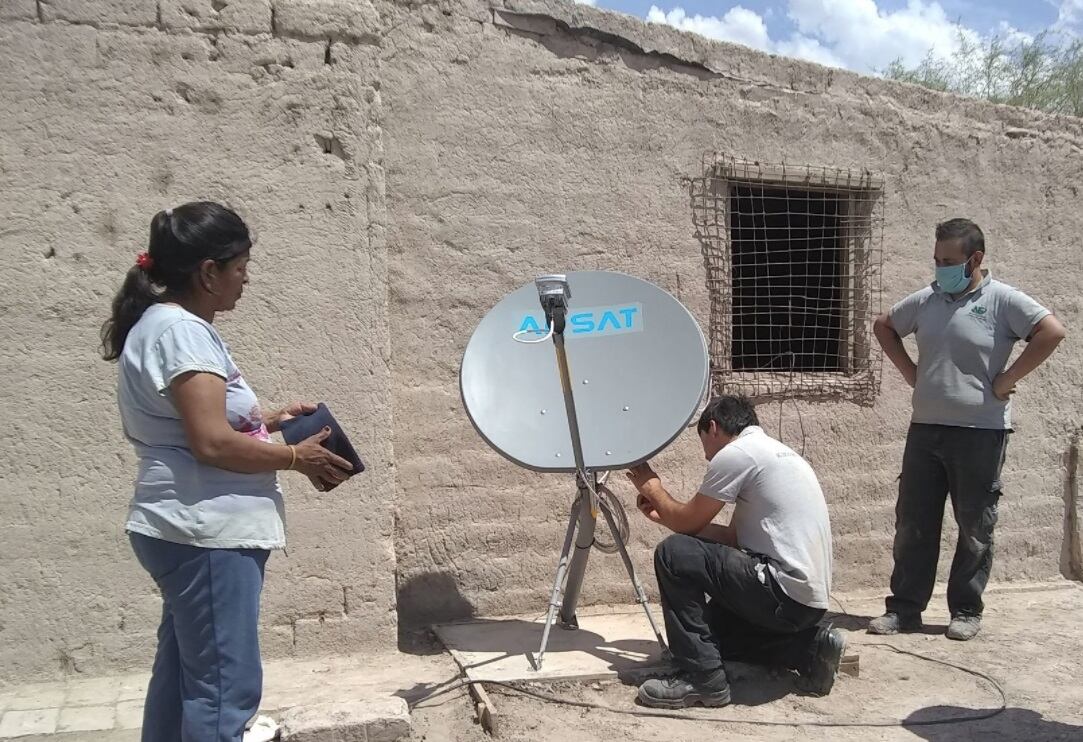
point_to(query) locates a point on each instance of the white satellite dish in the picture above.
(638, 365)
(631, 369)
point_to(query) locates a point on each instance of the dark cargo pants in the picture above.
(940, 459)
(748, 618)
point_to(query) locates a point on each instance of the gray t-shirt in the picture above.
(780, 511)
(963, 344)
(177, 498)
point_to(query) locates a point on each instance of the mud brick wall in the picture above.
(387, 155)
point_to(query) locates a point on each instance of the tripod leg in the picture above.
(641, 597)
(584, 540)
(562, 565)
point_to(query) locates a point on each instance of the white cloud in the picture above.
(1070, 17)
(743, 26)
(585, 2)
(868, 38)
(1011, 35)
(804, 47)
(856, 34)
(739, 25)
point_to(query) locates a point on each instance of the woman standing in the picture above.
(207, 508)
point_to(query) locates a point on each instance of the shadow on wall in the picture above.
(1010, 724)
(424, 600)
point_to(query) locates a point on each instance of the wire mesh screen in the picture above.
(793, 257)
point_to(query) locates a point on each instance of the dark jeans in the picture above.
(938, 460)
(746, 619)
(207, 678)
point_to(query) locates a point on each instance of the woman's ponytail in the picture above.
(135, 297)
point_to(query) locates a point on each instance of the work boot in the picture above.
(963, 627)
(894, 623)
(827, 654)
(708, 688)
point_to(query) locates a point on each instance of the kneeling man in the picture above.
(755, 590)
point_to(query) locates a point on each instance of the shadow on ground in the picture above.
(1009, 724)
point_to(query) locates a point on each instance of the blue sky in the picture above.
(863, 35)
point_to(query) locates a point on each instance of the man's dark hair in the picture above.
(967, 232)
(732, 413)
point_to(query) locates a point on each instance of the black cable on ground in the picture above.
(757, 722)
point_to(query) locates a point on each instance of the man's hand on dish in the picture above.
(647, 508)
(643, 477)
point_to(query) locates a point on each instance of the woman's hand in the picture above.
(274, 420)
(318, 464)
(318, 483)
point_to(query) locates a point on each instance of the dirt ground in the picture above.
(1031, 644)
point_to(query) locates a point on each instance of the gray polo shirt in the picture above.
(963, 344)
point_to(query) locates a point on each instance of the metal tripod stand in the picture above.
(584, 514)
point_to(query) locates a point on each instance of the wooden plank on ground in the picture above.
(850, 665)
(484, 708)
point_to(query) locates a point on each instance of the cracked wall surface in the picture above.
(387, 155)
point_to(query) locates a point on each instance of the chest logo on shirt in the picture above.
(979, 312)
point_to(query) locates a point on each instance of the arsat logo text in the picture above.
(592, 321)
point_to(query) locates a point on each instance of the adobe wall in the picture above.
(388, 155)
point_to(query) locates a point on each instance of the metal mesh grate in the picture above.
(793, 257)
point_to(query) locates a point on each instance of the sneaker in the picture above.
(963, 628)
(830, 644)
(894, 623)
(708, 688)
(261, 729)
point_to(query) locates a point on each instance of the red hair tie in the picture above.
(144, 261)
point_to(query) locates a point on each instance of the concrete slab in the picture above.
(37, 696)
(362, 697)
(610, 645)
(24, 723)
(379, 720)
(92, 692)
(373, 688)
(86, 719)
(129, 714)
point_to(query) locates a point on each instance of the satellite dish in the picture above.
(630, 371)
(638, 368)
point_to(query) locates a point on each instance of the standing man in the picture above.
(768, 573)
(966, 325)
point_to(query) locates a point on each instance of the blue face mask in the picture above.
(952, 279)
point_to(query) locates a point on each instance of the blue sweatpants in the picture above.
(207, 678)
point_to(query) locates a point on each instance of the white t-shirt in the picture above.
(779, 512)
(177, 498)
